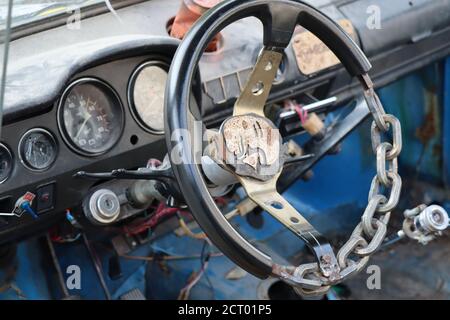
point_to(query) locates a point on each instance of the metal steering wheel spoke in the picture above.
(264, 193)
(254, 96)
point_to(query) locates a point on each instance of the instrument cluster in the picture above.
(91, 119)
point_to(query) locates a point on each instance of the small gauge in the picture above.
(6, 163)
(90, 117)
(38, 149)
(146, 95)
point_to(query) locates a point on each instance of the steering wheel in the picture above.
(249, 146)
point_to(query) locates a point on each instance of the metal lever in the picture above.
(123, 174)
(167, 185)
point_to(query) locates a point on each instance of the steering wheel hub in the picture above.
(251, 146)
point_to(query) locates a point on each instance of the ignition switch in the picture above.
(102, 207)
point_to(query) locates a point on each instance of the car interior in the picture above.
(229, 150)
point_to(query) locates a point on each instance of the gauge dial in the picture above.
(146, 95)
(6, 163)
(37, 149)
(90, 117)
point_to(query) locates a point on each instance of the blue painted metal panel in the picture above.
(446, 126)
(31, 277)
(416, 101)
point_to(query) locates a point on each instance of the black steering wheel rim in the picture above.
(178, 119)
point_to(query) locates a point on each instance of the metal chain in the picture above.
(384, 195)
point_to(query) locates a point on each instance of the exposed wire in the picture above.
(59, 239)
(161, 212)
(188, 232)
(301, 112)
(207, 245)
(168, 258)
(55, 235)
(196, 276)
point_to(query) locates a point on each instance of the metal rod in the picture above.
(98, 270)
(388, 242)
(59, 273)
(312, 107)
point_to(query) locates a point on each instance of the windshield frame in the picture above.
(60, 19)
(5, 39)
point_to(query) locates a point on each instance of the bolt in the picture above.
(326, 259)
(437, 217)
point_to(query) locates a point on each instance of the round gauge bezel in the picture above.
(53, 141)
(130, 94)
(11, 159)
(60, 120)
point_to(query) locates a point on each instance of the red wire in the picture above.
(221, 201)
(302, 113)
(161, 212)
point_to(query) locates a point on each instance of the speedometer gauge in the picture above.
(146, 95)
(90, 117)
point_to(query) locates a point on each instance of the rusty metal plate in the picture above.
(312, 54)
(251, 146)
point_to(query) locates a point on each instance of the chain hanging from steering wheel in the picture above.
(370, 233)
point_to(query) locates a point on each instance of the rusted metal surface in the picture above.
(312, 54)
(188, 13)
(429, 128)
(416, 99)
(252, 146)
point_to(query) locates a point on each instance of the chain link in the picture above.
(376, 108)
(396, 136)
(368, 215)
(382, 151)
(395, 189)
(369, 234)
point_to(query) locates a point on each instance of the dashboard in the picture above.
(98, 122)
(92, 99)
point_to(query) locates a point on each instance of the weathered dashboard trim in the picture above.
(35, 83)
(35, 26)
